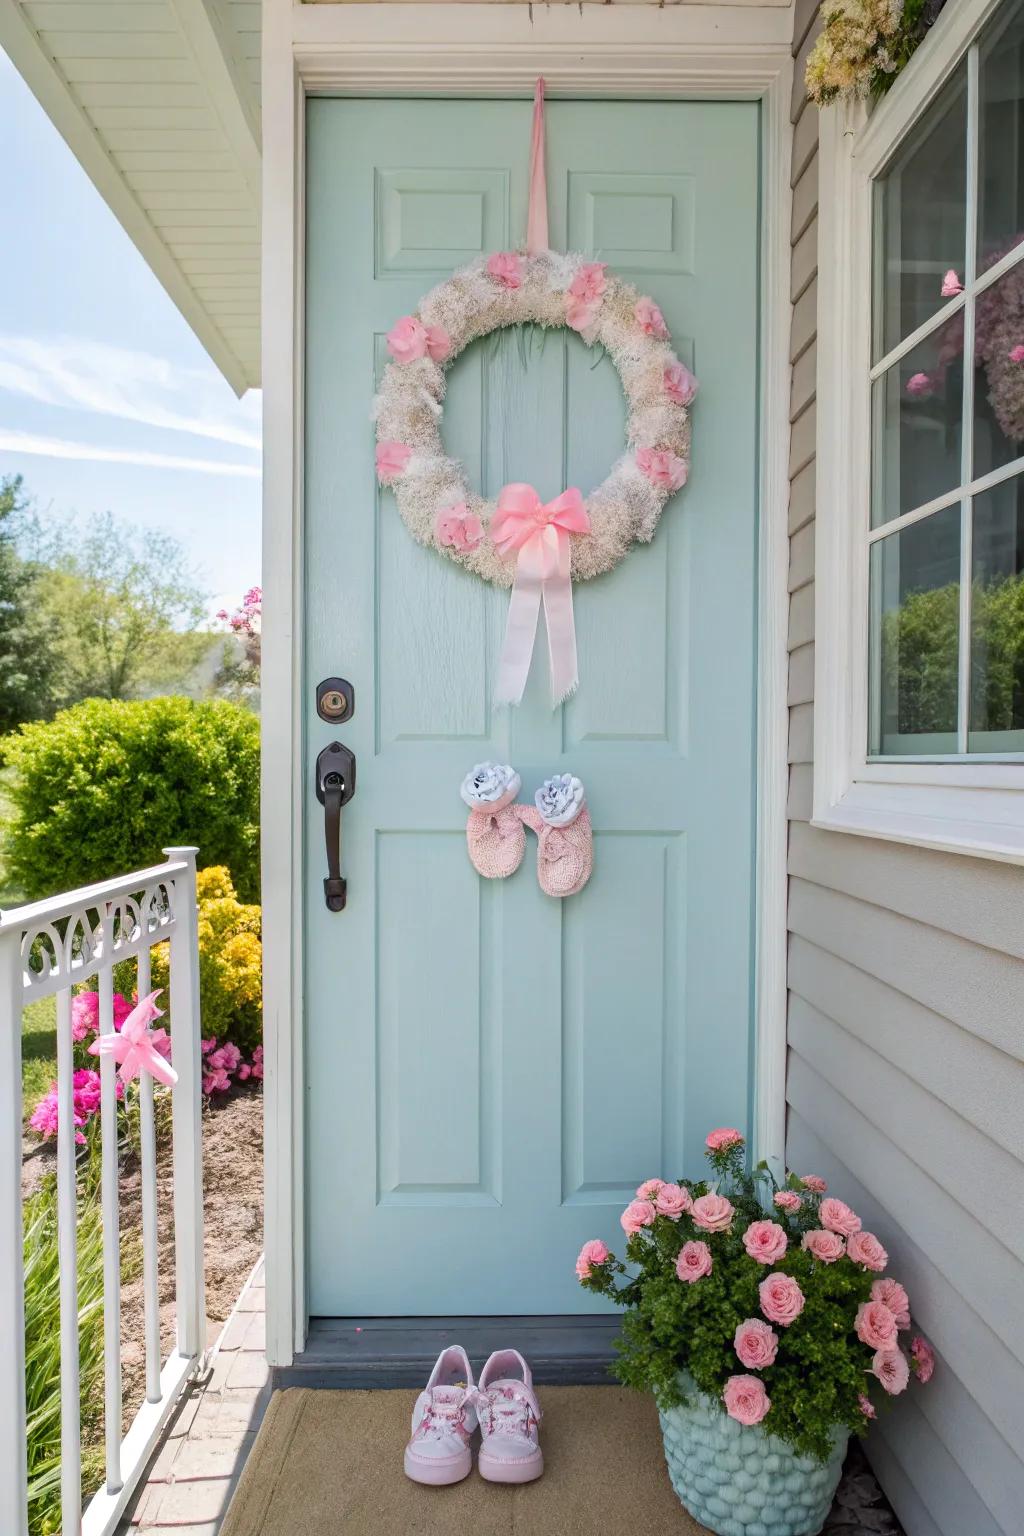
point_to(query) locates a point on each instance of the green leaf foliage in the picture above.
(106, 785)
(26, 661)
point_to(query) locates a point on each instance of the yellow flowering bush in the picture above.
(230, 962)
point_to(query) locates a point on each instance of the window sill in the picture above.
(985, 823)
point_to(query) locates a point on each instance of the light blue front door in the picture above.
(489, 1073)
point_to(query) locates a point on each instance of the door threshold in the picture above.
(350, 1352)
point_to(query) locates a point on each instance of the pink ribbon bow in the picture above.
(136, 1047)
(539, 533)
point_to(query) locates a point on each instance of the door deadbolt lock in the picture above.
(335, 699)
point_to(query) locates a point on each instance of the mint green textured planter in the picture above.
(743, 1482)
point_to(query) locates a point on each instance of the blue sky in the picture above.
(107, 400)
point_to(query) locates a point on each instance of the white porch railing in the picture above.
(45, 949)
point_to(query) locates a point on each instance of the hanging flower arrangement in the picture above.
(864, 45)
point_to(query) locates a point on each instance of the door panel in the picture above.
(490, 1072)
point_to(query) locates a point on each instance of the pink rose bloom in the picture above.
(649, 1188)
(875, 1325)
(756, 1344)
(712, 1213)
(590, 283)
(672, 1200)
(638, 1213)
(814, 1183)
(782, 1300)
(922, 1357)
(458, 528)
(662, 468)
(837, 1217)
(892, 1370)
(892, 1295)
(410, 339)
(650, 319)
(866, 1407)
(216, 1081)
(951, 285)
(243, 1072)
(766, 1242)
(679, 384)
(392, 461)
(1017, 354)
(506, 268)
(208, 1045)
(580, 314)
(919, 384)
(724, 1137)
(85, 1014)
(257, 1062)
(694, 1261)
(593, 1252)
(788, 1200)
(746, 1399)
(864, 1248)
(826, 1247)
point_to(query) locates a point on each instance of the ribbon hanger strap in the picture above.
(537, 214)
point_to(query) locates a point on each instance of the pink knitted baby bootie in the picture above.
(565, 857)
(494, 832)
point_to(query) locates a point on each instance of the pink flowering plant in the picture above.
(771, 1299)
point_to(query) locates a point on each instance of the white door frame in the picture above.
(692, 51)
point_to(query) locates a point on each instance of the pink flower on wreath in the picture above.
(638, 1214)
(814, 1183)
(679, 384)
(892, 1370)
(951, 285)
(650, 319)
(893, 1296)
(580, 314)
(837, 1216)
(506, 268)
(781, 1298)
(1016, 354)
(722, 1139)
(409, 339)
(756, 1344)
(590, 283)
(864, 1248)
(866, 1406)
(826, 1247)
(458, 528)
(788, 1200)
(663, 468)
(875, 1325)
(746, 1399)
(672, 1200)
(766, 1242)
(922, 1357)
(712, 1213)
(592, 1253)
(694, 1261)
(392, 460)
(919, 384)
(649, 1188)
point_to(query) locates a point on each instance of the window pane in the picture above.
(914, 631)
(999, 373)
(920, 220)
(916, 409)
(997, 620)
(1001, 136)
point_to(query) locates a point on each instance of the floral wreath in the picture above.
(551, 290)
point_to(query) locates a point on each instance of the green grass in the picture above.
(38, 1051)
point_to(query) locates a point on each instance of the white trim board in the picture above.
(961, 806)
(467, 49)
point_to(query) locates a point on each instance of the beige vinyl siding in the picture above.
(905, 1082)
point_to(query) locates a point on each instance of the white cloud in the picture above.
(60, 448)
(133, 386)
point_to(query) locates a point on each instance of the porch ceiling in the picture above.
(159, 101)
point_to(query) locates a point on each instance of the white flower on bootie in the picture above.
(560, 799)
(487, 783)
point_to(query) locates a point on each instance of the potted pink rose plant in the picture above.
(761, 1318)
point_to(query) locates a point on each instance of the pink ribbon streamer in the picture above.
(538, 533)
(537, 216)
(137, 1048)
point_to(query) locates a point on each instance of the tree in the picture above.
(26, 660)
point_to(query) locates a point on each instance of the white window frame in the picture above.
(972, 807)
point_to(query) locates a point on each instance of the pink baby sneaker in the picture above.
(565, 858)
(509, 1420)
(443, 1422)
(494, 832)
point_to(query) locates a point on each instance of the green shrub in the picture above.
(103, 787)
(230, 963)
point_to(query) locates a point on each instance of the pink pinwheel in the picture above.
(137, 1048)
